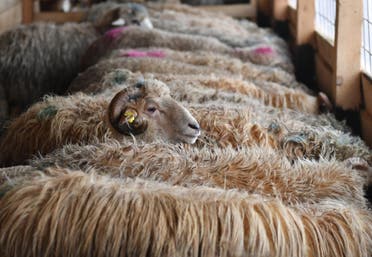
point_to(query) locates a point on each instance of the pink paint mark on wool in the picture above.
(115, 33)
(156, 53)
(264, 50)
(133, 53)
(138, 54)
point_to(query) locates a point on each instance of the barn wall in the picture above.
(331, 64)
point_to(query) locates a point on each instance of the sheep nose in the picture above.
(194, 126)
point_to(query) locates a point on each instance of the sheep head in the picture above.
(147, 109)
(123, 15)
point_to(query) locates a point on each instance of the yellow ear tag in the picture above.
(130, 116)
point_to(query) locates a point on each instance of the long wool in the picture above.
(253, 170)
(88, 215)
(82, 119)
(37, 59)
(132, 37)
(218, 62)
(194, 88)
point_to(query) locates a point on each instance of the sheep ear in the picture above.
(124, 119)
(106, 21)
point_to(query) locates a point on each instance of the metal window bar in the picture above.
(292, 3)
(325, 18)
(366, 54)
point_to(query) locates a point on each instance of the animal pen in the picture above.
(158, 128)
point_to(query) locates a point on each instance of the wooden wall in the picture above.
(10, 14)
(337, 67)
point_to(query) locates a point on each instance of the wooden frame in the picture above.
(337, 65)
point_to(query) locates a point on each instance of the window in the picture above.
(325, 17)
(366, 54)
(293, 3)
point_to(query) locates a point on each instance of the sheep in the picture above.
(44, 58)
(270, 93)
(221, 27)
(81, 118)
(76, 214)
(227, 30)
(129, 37)
(205, 63)
(253, 170)
(218, 61)
(143, 110)
(201, 89)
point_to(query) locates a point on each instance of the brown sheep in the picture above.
(298, 134)
(214, 60)
(144, 111)
(130, 37)
(254, 170)
(201, 63)
(103, 76)
(224, 28)
(78, 118)
(88, 215)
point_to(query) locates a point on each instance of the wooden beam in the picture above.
(367, 92)
(348, 37)
(305, 21)
(325, 50)
(324, 77)
(280, 10)
(59, 17)
(27, 11)
(366, 120)
(265, 7)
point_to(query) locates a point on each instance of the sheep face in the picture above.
(147, 110)
(124, 15)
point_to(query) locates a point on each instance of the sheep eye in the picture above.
(151, 109)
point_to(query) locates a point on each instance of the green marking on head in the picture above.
(47, 113)
(120, 77)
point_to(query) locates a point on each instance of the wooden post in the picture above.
(346, 75)
(27, 11)
(280, 10)
(305, 21)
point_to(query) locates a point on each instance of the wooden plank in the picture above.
(324, 77)
(27, 11)
(233, 10)
(7, 4)
(59, 17)
(11, 18)
(292, 30)
(366, 124)
(280, 10)
(292, 15)
(265, 7)
(367, 92)
(325, 49)
(305, 21)
(347, 62)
